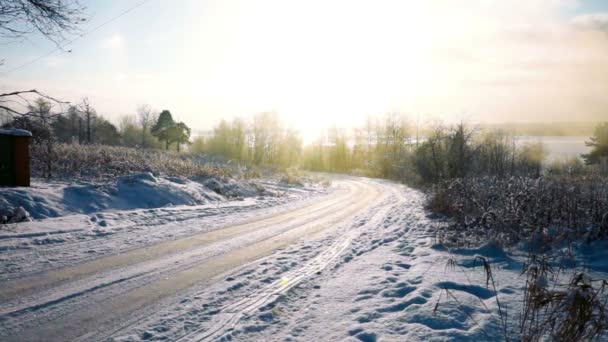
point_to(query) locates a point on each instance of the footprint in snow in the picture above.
(387, 267)
(415, 281)
(398, 292)
(366, 337)
(418, 300)
(363, 297)
(403, 265)
(389, 280)
(368, 317)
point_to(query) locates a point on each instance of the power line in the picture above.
(58, 48)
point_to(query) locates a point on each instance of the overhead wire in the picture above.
(70, 41)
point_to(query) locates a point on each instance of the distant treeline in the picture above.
(389, 146)
(263, 140)
(392, 147)
(545, 128)
(82, 124)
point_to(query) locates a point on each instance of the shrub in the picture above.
(104, 162)
(505, 211)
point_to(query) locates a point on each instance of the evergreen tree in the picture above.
(161, 129)
(179, 134)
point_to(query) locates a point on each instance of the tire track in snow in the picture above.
(232, 314)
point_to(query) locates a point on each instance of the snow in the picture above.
(390, 283)
(16, 132)
(378, 275)
(140, 190)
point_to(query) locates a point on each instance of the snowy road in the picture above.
(357, 262)
(105, 296)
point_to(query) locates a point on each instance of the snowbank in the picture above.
(140, 190)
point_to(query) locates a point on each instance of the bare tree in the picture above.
(89, 114)
(43, 110)
(53, 19)
(146, 119)
(37, 118)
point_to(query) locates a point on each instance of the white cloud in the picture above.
(595, 21)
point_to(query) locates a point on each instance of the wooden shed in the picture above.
(15, 157)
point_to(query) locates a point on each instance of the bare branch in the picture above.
(33, 91)
(53, 19)
(25, 102)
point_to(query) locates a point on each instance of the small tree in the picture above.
(179, 134)
(459, 153)
(130, 133)
(599, 145)
(431, 155)
(89, 114)
(66, 127)
(145, 116)
(105, 132)
(161, 128)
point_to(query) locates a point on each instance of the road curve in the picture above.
(71, 302)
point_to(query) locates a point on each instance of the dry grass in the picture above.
(575, 311)
(505, 211)
(106, 162)
(551, 310)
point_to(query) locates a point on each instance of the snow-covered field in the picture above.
(357, 261)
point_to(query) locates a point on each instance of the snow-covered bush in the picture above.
(506, 211)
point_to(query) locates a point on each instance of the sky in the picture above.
(332, 62)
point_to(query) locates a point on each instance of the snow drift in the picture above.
(135, 191)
